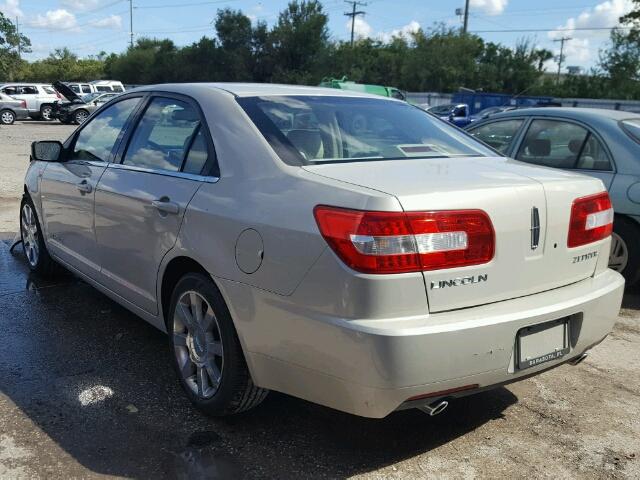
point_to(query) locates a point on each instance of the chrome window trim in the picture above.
(167, 173)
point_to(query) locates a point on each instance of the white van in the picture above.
(107, 86)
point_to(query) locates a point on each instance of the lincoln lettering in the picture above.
(457, 282)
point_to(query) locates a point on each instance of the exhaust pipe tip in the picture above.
(579, 359)
(434, 408)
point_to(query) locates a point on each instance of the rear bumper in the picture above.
(372, 367)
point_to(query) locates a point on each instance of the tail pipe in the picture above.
(579, 359)
(435, 408)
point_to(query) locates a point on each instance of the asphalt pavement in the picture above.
(86, 391)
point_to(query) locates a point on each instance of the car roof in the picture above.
(260, 89)
(576, 113)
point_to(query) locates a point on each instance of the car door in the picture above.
(29, 93)
(140, 202)
(562, 143)
(500, 134)
(68, 187)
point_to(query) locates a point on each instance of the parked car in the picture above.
(344, 248)
(39, 97)
(76, 109)
(458, 114)
(488, 112)
(98, 98)
(596, 142)
(80, 88)
(12, 110)
(107, 86)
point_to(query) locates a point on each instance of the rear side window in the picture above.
(50, 90)
(163, 136)
(74, 88)
(198, 154)
(98, 137)
(498, 135)
(86, 89)
(560, 144)
(29, 90)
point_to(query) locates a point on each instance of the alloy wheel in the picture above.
(619, 256)
(7, 118)
(46, 113)
(198, 344)
(81, 116)
(29, 230)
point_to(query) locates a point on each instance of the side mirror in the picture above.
(95, 102)
(46, 151)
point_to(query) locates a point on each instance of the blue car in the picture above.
(456, 113)
(596, 142)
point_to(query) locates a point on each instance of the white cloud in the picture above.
(11, 9)
(112, 21)
(489, 7)
(360, 27)
(403, 32)
(81, 5)
(582, 49)
(59, 19)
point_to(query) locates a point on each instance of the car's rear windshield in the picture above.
(307, 130)
(632, 127)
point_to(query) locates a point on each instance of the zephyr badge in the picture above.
(535, 228)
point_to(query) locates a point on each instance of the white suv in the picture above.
(39, 97)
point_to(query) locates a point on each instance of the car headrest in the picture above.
(575, 145)
(539, 147)
(307, 141)
(184, 115)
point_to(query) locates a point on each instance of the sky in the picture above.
(87, 27)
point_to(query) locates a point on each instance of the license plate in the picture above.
(542, 343)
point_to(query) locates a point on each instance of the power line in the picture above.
(533, 30)
(176, 5)
(560, 58)
(353, 14)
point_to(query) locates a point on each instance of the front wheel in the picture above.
(80, 116)
(625, 250)
(35, 250)
(206, 352)
(7, 117)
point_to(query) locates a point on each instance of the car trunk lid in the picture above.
(517, 197)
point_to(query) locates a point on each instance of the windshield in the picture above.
(307, 130)
(441, 109)
(90, 96)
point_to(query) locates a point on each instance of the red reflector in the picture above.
(444, 393)
(591, 220)
(23, 103)
(400, 242)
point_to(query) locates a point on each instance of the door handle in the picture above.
(165, 206)
(84, 187)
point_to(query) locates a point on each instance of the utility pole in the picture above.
(466, 17)
(561, 57)
(353, 14)
(131, 23)
(18, 37)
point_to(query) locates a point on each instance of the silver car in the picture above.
(39, 97)
(601, 143)
(346, 249)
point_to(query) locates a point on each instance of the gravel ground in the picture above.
(15, 144)
(86, 391)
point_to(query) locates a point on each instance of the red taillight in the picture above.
(23, 103)
(400, 242)
(591, 219)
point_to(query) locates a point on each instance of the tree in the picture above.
(11, 43)
(621, 63)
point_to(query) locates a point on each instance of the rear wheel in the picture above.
(45, 112)
(79, 116)
(625, 249)
(206, 352)
(35, 250)
(7, 117)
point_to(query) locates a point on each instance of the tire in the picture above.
(35, 250)
(7, 117)
(46, 112)
(625, 249)
(80, 116)
(208, 349)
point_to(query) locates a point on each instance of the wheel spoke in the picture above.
(215, 348)
(180, 339)
(201, 379)
(208, 320)
(184, 315)
(196, 306)
(186, 368)
(214, 374)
